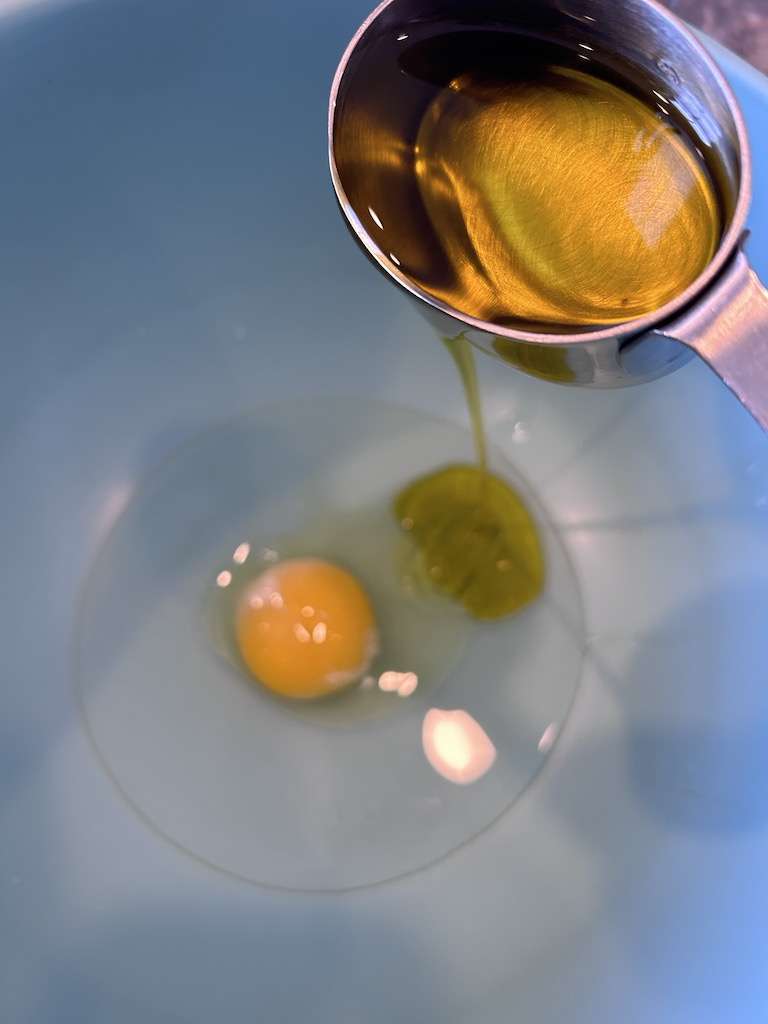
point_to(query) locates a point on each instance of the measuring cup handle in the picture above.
(729, 329)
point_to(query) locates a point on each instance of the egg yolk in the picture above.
(305, 628)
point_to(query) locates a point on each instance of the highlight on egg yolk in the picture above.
(305, 628)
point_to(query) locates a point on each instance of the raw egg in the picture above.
(305, 628)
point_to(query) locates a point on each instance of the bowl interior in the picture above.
(174, 259)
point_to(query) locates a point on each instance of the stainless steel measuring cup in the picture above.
(722, 316)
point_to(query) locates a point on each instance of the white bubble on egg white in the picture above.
(242, 551)
(548, 738)
(402, 683)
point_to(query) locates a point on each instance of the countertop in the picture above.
(740, 24)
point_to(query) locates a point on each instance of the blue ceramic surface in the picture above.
(171, 256)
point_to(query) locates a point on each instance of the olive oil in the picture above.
(563, 199)
(526, 185)
(474, 539)
(464, 358)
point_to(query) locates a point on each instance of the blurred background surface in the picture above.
(740, 24)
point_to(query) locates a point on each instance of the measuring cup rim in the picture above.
(650, 321)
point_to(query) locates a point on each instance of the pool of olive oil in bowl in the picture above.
(474, 539)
